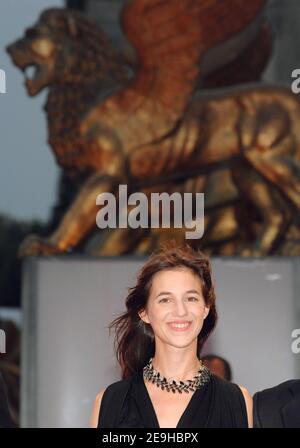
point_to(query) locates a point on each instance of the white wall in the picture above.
(68, 303)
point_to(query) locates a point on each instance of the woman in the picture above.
(170, 314)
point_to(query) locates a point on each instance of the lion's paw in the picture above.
(35, 245)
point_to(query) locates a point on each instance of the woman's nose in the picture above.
(181, 308)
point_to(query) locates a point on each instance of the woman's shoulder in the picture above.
(227, 386)
(115, 388)
(96, 409)
(231, 392)
(110, 394)
(235, 394)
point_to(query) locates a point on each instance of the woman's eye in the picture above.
(163, 300)
(193, 299)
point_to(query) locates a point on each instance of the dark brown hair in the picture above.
(134, 339)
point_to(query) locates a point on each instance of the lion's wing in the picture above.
(169, 37)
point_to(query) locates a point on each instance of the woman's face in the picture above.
(176, 307)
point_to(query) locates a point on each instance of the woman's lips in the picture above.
(180, 325)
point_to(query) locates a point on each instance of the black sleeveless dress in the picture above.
(217, 404)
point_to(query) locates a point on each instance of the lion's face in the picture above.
(66, 47)
(35, 54)
(45, 54)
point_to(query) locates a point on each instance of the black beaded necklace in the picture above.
(152, 375)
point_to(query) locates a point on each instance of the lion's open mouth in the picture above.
(32, 72)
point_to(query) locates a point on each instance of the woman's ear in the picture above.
(206, 312)
(144, 316)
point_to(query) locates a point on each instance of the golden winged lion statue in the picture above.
(153, 130)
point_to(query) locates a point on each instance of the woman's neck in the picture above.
(177, 365)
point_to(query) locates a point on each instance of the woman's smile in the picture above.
(180, 325)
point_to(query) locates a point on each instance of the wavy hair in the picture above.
(134, 339)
